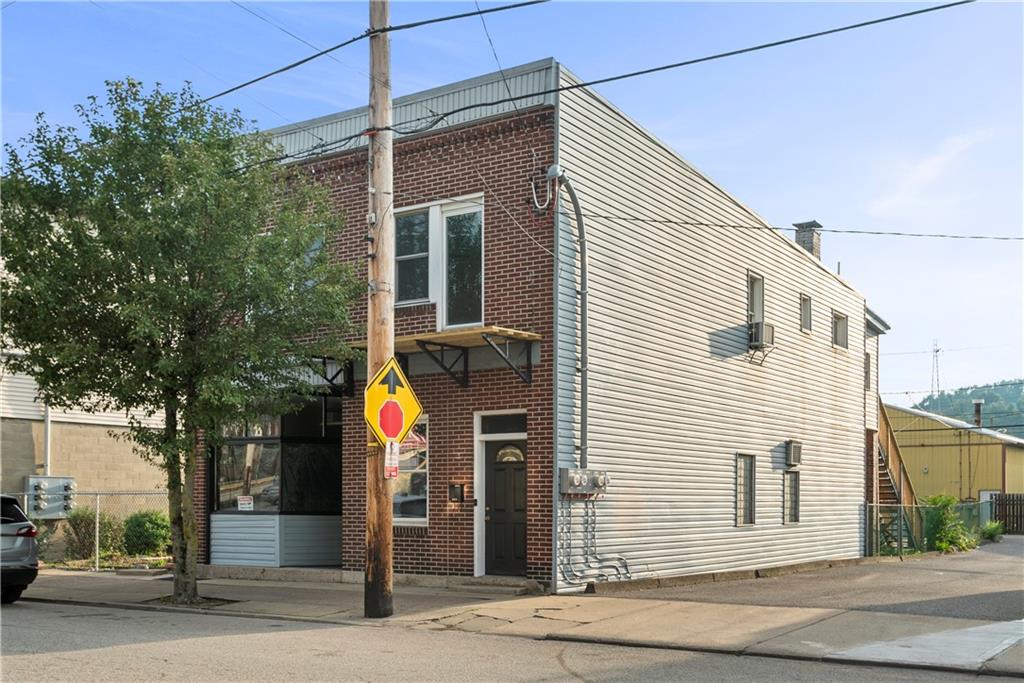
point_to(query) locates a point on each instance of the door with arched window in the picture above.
(505, 513)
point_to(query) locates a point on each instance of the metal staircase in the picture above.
(898, 519)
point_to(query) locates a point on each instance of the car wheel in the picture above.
(9, 595)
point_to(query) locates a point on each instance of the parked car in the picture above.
(19, 560)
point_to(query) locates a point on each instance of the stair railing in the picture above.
(894, 459)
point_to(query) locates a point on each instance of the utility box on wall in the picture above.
(582, 482)
(49, 497)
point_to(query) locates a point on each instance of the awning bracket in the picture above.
(504, 352)
(438, 352)
(346, 370)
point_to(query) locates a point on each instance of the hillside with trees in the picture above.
(1003, 410)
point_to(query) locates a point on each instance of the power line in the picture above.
(971, 428)
(669, 221)
(437, 118)
(366, 34)
(931, 351)
(689, 62)
(976, 386)
(283, 29)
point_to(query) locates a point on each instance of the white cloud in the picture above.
(921, 186)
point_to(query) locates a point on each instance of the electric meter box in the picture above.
(582, 482)
(49, 497)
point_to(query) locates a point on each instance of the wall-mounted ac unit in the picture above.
(760, 335)
(794, 449)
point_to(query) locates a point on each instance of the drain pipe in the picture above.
(557, 174)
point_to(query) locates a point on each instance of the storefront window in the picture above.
(410, 493)
(251, 469)
(288, 464)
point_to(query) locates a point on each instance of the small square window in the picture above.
(805, 313)
(840, 325)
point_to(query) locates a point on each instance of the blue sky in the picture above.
(914, 125)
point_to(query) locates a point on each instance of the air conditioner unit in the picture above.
(761, 335)
(794, 449)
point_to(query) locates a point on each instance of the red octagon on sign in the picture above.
(391, 419)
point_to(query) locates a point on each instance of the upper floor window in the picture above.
(867, 371)
(755, 298)
(439, 259)
(840, 325)
(464, 268)
(805, 313)
(412, 257)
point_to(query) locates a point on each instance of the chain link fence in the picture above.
(106, 530)
(907, 529)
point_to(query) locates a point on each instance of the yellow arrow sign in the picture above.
(390, 406)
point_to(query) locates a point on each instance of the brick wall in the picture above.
(498, 158)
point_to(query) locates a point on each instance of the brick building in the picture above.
(705, 363)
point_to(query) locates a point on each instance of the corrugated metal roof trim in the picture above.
(959, 424)
(420, 107)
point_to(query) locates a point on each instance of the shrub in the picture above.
(147, 533)
(992, 530)
(944, 526)
(81, 534)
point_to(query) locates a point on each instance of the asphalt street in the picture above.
(63, 643)
(987, 583)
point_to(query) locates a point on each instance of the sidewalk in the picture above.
(840, 635)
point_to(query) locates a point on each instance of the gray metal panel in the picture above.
(310, 540)
(673, 395)
(250, 540)
(413, 111)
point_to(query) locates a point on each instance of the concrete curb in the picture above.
(742, 652)
(143, 607)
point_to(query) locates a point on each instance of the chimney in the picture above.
(808, 237)
(978, 403)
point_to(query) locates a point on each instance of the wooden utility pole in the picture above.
(380, 324)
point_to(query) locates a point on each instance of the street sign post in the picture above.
(390, 409)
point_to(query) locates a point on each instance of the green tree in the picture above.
(162, 262)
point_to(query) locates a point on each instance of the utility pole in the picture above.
(380, 324)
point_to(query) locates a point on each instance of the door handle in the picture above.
(487, 518)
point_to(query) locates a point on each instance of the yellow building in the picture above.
(944, 455)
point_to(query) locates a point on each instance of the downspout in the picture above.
(557, 174)
(46, 440)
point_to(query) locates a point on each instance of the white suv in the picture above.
(19, 561)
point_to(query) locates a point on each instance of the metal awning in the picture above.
(450, 349)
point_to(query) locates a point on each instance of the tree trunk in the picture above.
(185, 576)
(185, 589)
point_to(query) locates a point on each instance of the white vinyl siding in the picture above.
(673, 392)
(18, 400)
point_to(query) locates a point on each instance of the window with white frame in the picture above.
(790, 497)
(745, 490)
(464, 267)
(840, 325)
(412, 257)
(439, 259)
(805, 313)
(755, 298)
(409, 504)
